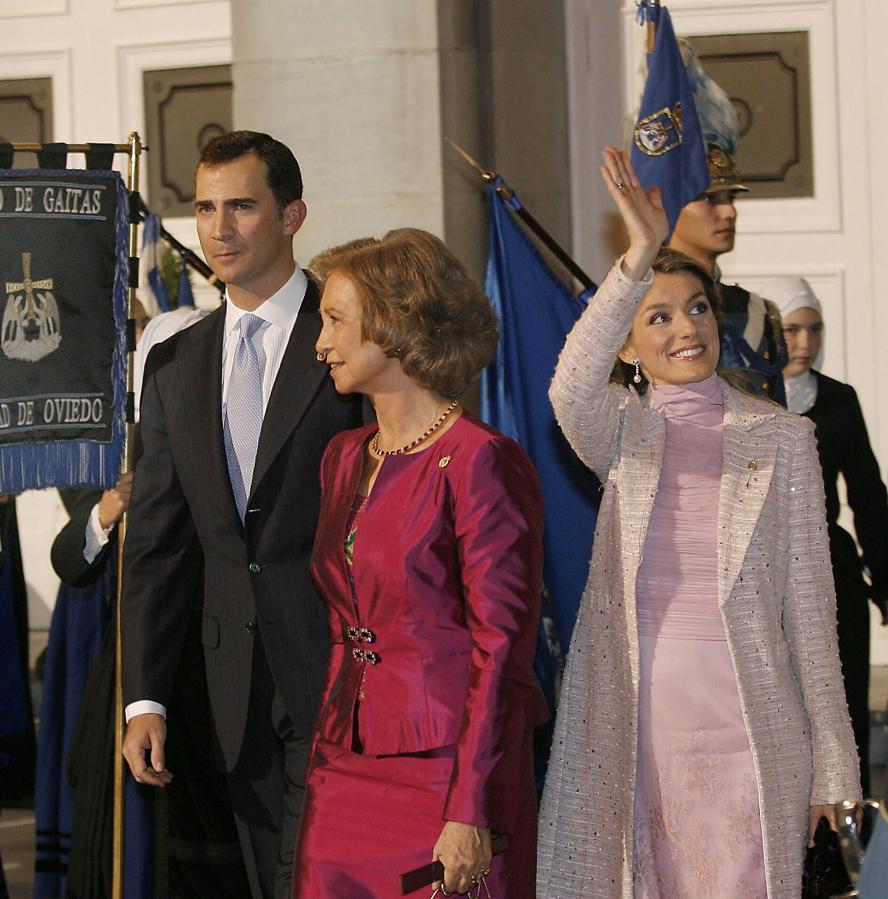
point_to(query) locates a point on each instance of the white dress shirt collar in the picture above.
(280, 309)
(279, 312)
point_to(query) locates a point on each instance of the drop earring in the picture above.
(637, 376)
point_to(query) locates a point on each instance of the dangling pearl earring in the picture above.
(637, 376)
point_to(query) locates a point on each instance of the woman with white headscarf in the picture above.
(844, 448)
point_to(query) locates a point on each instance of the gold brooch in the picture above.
(444, 461)
(753, 466)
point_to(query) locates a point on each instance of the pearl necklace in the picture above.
(374, 443)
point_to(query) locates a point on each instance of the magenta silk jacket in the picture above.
(448, 573)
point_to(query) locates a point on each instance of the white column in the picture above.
(352, 86)
(593, 38)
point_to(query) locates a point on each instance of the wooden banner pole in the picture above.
(524, 214)
(118, 842)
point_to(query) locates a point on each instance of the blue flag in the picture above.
(667, 143)
(536, 311)
(154, 295)
(185, 297)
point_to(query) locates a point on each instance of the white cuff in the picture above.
(95, 536)
(143, 707)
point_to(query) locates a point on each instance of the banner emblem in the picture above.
(30, 328)
(660, 132)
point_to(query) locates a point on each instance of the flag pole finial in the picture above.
(486, 175)
(646, 8)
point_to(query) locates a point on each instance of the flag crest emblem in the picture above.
(30, 329)
(659, 132)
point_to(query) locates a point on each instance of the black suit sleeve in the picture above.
(67, 548)
(162, 560)
(867, 495)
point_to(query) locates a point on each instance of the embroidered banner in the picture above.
(63, 282)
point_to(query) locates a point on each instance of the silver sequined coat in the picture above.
(775, 591)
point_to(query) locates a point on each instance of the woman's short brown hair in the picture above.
(669, 262)
(418, 304)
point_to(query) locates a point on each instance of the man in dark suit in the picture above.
(235, 415)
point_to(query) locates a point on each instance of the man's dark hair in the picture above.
(282, 169)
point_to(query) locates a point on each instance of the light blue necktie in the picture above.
(243, 412)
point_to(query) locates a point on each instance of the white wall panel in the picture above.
(354, 90)
(593, 38)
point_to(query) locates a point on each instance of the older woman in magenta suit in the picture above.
(702, 729)
(428, 552)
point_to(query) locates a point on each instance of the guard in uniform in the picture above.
(751, 334)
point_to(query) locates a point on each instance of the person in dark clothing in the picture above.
(78, 627)
(844, 450)
(752, 339)
(17, 745)
(195, 851)
(74, 800)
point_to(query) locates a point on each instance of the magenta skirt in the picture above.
(369, 819)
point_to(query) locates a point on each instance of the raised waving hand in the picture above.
(641, 210)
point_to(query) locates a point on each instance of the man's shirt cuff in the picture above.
(144, 707)
(96, 537)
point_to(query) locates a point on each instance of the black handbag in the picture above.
(824, 875)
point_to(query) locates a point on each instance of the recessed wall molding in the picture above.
(185, 108)
(135, 59)
(26, 114)
(25, 9)
(54, 64)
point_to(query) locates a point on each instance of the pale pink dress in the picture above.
(697, 825)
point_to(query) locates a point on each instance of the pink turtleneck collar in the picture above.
(696, 402)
